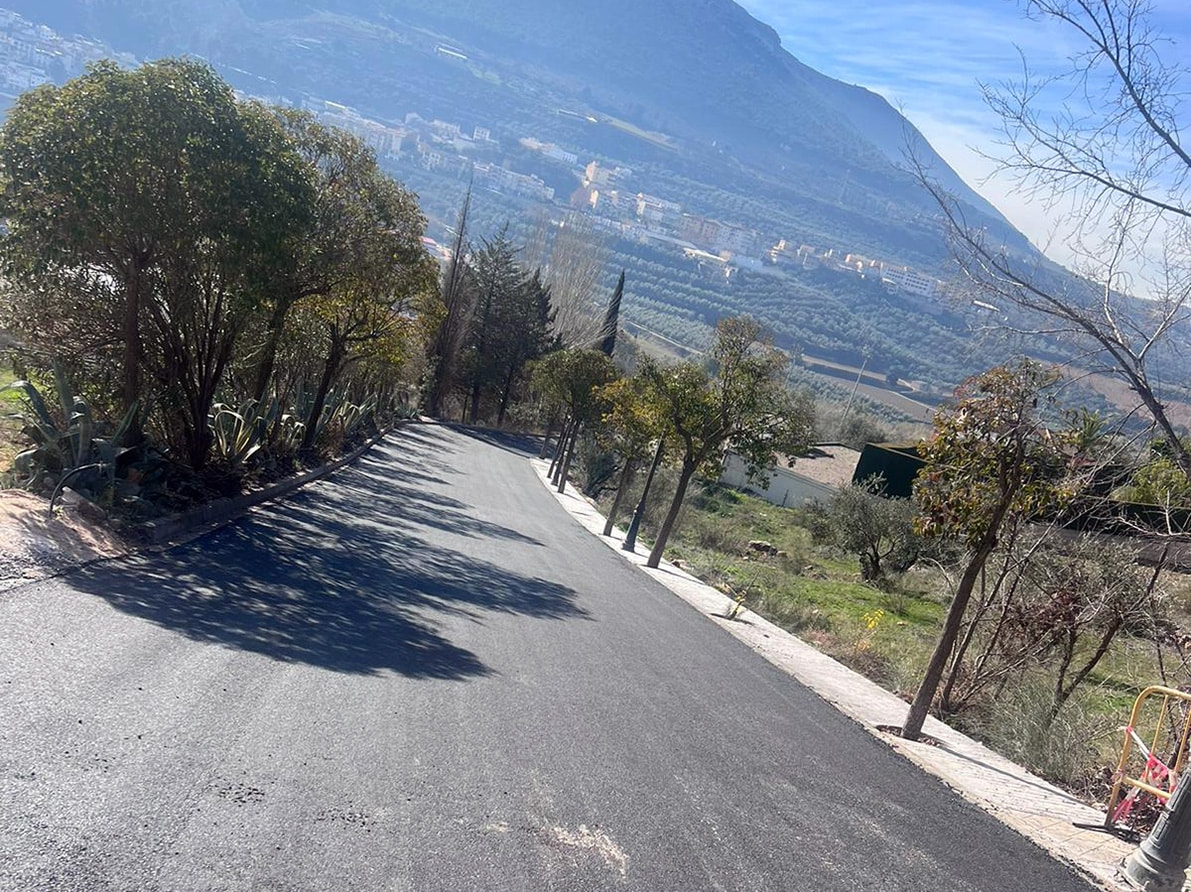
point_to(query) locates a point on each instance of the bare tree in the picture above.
(1110, 167)
(572, 259)
(458, 306)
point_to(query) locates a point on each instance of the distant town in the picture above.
(32, 54)
(609, 193)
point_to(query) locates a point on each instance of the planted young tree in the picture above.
(989, 459)
(742, 403)
(572, 380)
(631, 426)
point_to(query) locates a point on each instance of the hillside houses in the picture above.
(31, 55)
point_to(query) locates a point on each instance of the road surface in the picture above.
(422, 675)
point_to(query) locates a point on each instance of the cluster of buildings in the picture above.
(31, 55)
(606, 192)
(441, 146)
(895, 277)
(718, 247)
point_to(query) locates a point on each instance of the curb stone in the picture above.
(211, 515)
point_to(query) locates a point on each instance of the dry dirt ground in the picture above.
(34, 545)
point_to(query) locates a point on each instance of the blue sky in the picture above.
(928, 57)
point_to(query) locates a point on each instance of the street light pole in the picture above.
(1160, 862)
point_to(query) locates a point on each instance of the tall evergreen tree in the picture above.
(612, 319)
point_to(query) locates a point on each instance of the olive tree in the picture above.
(740, 401)
(989, 459)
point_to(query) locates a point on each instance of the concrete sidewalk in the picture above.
(1052, 818)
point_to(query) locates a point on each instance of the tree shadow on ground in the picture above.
(519, 444)
(338, 576)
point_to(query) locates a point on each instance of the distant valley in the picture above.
(723, 174)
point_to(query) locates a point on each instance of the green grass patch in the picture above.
(802, 580)
(10, 430)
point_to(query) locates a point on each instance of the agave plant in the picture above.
(68, 445)
(355, 418)
(304, 403)
(238, 435)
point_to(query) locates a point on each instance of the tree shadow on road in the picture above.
(519, 444)
(339, 577)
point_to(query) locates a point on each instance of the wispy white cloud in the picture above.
(929, 58)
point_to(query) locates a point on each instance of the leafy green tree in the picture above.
(371, 308)
(146, 211)
(572, 379)
(360, 219)
(743, 402)
(1160, 482)
(878, 530)
(990, 458)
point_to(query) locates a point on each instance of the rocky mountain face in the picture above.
(703, 72)
(695, 97)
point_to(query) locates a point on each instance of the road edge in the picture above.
(1049, 817)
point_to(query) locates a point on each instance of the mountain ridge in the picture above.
(700, 100)
(704, 70)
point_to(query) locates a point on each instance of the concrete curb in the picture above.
(216, 513)
(1053, 819)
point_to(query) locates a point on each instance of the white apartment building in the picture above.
(902, 278)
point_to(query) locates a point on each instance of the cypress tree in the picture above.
(612, 319)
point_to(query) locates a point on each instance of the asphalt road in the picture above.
(421, 674)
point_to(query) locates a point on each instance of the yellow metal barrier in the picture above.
(1157, 777)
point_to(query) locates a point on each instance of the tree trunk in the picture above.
(474, 411)
(1064, 691)
(958, 654)
(912, 729)
(659, 545)
(625, 473)
(630, 538)
(133, 352)
(505, 393)
(264, 369)
(566, 462)
(546, 439)
(557, 456)
(330, 369)
(564, 450)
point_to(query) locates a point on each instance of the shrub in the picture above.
(1068, 750)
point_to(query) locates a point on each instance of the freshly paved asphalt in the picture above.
(421, 674)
